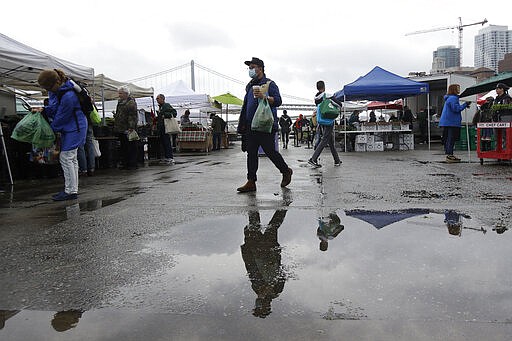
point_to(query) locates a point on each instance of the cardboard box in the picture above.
(360, 147)
(361, 138)
(379, 146)
(368, 126)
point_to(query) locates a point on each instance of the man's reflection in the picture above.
(64, 320)
(328, 228)
(453, 221)
(261, 253)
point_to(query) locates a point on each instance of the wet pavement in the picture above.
(389, 246)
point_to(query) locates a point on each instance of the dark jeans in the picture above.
(256, 139)
(285, 137)
(326, 140)
(450, 135)
(217, 141)
(165, 140)
(128, 151)
(86, 157)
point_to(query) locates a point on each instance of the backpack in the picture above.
(86, 104)
(222, 124)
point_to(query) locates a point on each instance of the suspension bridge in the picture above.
(204, 80)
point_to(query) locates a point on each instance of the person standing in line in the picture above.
(67, 119)
(217, 124)
(125, 122)
(254, 139)
(165, 111)
(451, 121)
(297, 128)
(86, 156)
(285, 122)
(327, 127)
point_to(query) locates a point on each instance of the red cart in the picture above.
(501, 151)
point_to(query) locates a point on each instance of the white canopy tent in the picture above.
(20, 65)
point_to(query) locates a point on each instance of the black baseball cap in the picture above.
(502, 86)
(255, 61)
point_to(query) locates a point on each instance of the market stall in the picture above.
(380, 85)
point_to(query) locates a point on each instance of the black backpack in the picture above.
(86, 103)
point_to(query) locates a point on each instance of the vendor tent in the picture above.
(106, 88)
(488, 84)
(20, 65)
(381, 85)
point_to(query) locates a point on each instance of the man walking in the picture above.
(260, 88)
(327, 126)
(285, 122)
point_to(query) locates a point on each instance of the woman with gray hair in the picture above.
(125, 121)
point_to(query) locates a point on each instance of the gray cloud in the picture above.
(189, 36)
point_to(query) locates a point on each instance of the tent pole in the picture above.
(103, 104)
(345, 119)
(428, 119)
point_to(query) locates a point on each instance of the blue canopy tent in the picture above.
(382, 85)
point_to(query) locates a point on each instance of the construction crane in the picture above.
(459, 27)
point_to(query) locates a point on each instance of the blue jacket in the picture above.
(451, 115)
(67, 117)
(251, 103)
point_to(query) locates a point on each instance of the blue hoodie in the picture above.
(451, 115)
(67, 117)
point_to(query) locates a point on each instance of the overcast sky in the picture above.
(300, 42)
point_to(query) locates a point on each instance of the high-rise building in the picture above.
(491, 45)
(450, 54)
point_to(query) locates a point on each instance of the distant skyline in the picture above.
(300, 44)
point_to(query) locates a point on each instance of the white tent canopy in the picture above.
(20, 65)
(180, 96)
(106, 88)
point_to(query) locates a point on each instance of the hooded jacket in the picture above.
(67, 117)
(451, 115)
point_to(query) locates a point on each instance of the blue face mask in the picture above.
(252, 73)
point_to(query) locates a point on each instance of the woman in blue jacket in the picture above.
(451, 119)
(66, 118)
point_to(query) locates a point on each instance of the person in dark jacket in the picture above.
(484, 114)
(165, 111)
(259, 88)
(261, 253)
(502, 108)
(451, 119)
(67, 119)
(285, 122)
(217, 126)
(125, 122)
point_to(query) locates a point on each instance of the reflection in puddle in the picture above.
(400, 265)
(96, 204)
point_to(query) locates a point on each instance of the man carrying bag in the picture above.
(166, 113)
(264, 91)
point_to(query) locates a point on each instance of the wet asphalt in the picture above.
(389, 246)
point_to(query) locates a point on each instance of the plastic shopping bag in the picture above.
(263, 119)
(34, 129)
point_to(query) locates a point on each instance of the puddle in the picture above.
(302, 265)
(96, 204)
(333, 265)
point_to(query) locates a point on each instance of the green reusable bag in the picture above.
(263, 119)
(34, 129)
(328, 109)
(95, 116)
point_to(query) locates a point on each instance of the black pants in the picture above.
(256, 139)
(285, 137)
(128, 152)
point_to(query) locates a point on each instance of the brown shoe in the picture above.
(287, 178)
(250, 186)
